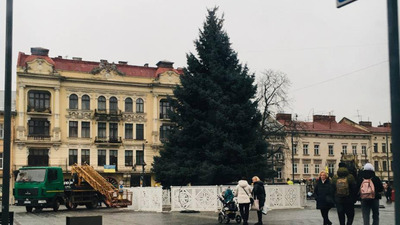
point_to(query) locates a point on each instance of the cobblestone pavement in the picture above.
(307, 216)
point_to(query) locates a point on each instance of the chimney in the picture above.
(287, 117)
(123, 62)
(59, 57)
(324, 118)
(103, 61)
(146, 65)
(365, 123)
(40, 51)
(387, 124)
(164, 64)
(77, 58)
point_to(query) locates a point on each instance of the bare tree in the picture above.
(272, 97)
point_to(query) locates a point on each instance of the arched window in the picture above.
(164, 108)
(73, 101)
(113, 104)
(139, 105)
(85, 102)
(101, 103)
(128, 105)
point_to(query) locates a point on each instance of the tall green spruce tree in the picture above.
(217, 138)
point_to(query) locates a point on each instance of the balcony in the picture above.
(108, 140)
(38, 110)
(108, 115)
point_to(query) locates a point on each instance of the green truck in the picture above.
(45, 187)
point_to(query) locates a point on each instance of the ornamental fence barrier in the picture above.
(205, 198)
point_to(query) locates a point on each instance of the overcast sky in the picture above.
(336, 59)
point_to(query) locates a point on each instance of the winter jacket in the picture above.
(240, 192)
(352, 198)
(323, 193)
(259, 192)
(369, 174)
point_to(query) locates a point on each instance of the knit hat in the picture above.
(369, 166)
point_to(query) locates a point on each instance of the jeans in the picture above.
(366, 207)
(343, 210)
(244, 211)
(324, 213)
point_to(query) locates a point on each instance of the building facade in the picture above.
(319, 145)
(110, 116)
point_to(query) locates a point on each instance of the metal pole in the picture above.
(7, 114)
(143, 165)
(387, 156)
(292, 159)
(393, 29)
(273, 169)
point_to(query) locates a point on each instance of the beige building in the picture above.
(111, 116)
(379, 152)
(320, 144)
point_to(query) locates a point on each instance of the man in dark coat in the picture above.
(370, 204)
(345, 203)
(259, 193)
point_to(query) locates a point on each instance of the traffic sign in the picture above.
(340, 3)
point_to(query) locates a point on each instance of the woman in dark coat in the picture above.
(259, 193)
(323, 193)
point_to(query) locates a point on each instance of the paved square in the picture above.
(307, 216)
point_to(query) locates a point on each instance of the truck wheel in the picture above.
(93, 204)
(28, 208)
(70, 205)
(56, 205)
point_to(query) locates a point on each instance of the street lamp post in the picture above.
(142, 183)
(292, 158)
(387, 157)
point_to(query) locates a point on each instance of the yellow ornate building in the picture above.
(111, 116)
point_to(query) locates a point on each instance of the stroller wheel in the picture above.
(220, 218)
(238, 219)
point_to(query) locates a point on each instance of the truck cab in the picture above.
(39, 187)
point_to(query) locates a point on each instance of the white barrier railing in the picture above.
(283, 196)
(200, 198)
(147, 198)
(204, 198)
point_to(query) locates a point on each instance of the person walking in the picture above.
(323, 193)
(259, 193)
(370, 186)
(388, 193)
(344, 189)
(243, 194)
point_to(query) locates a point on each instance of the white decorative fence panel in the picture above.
(200, 198)
(147, 198)
(283, 196)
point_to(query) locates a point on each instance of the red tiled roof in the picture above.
(323, 127)
(379, 129)
(87, 66)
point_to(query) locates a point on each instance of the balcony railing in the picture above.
(112, 140)
(33, 109)
(40, 137)
(108, 115)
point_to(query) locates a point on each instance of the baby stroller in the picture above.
(228, 212)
